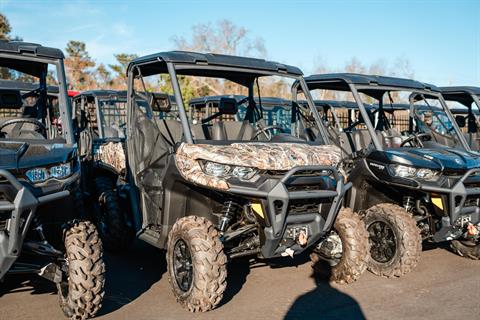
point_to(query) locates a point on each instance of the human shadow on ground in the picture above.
(324, 302)
(130, 275)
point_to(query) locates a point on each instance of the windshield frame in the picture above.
(437, 95)
(64, 105)
(172, 69)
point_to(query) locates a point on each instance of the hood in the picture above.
(33, 155)
(436, 159)
(264, 156)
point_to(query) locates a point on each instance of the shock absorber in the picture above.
(408, 203)
(228, 212)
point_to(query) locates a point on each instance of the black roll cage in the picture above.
(355, 89)
(172, 69)
(65, 107)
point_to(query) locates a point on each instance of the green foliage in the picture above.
(5, 28)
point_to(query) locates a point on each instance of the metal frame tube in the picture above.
(179, 99)
(366, 117)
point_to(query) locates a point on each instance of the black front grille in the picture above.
(472, 201)
(300, 173)
(303, 206)
(313, 187)
(3, 224)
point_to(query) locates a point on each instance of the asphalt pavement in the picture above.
(443, 286)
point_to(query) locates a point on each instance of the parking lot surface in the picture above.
(443, 286)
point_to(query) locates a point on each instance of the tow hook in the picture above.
(302, 238)
(472, 231)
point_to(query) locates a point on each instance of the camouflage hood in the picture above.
(263, 156)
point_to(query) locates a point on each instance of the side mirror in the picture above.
(460, 121)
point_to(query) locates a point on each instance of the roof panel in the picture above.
(19, 47)
(314, 81)
(211, 59)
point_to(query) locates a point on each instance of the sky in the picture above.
(441, 39)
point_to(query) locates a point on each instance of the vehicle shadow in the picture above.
(237, 272)
(131, 274)
(128, 276)
(26, 283)
(324, 302)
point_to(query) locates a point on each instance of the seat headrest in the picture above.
(160, 102)
(10, 99)
(228, 106)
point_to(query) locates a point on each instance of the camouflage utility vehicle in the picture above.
(101, 117)
(41, 231)
(219, 189)
(411, 183)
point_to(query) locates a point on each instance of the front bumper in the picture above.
(459, 209)
(16, 216)
(277, 200)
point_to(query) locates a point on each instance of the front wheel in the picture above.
(82, 289)
(196, 264)
(345, 249)
(395, 240)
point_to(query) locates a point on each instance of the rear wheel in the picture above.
(82, 289)
(395, 240)
(467, 249)
(114, 230)
(345, 249)
(196, 264)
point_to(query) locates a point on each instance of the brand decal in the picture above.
(376, 165)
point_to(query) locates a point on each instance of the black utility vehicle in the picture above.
(41, 230)
(408, 186)
(221, 189)
(101, 117)
(466, 109)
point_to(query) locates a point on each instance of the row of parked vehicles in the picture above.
(221, 177)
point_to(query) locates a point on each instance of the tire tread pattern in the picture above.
(208, 259)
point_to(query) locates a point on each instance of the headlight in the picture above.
(402, 171)
(37, 175)
(60, 171)
(216, 169)
(244, 173)
(226, 171)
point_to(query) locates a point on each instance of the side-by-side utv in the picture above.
(466, 111)
(408, 185)
(42, 230)
(101, 117)
(218, 189)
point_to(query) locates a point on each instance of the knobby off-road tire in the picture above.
(113, 229)
(389, 225)
(466, 249)
(82, 291)
(194, 248)
(355, 248)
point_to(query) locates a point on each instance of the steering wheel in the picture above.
(40, 127)
(265, 131)
(417, 138)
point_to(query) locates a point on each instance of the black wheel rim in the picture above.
(182, 265)
(383, 244)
